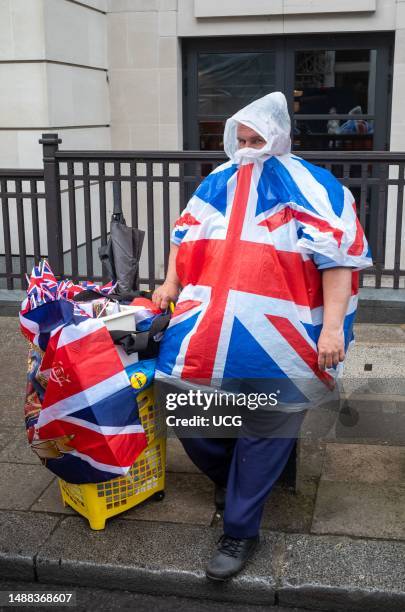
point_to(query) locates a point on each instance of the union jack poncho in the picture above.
(253, 240)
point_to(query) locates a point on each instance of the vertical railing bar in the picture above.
(87, 220)
(50, 146)
(35, 220)
(103, 205)
(166, 213)
(117, 173)
(362, 208)
(134, 193)
(363, 195)
(72, 220)
(380, 225)
(398, 226)
(21, 231)
(6, 232)
(181, 186)
(151, 224)
(346, 173)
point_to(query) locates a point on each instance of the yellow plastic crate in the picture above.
(146, 478)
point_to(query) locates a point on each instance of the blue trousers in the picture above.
(248, 467)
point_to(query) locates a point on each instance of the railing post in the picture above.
(50, 144)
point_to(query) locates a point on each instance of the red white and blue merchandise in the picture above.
(81, 408)
(253, 241)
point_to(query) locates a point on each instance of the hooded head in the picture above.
(268, 116)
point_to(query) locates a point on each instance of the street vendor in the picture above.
(263, 268)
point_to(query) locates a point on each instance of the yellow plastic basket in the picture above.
(146, 478)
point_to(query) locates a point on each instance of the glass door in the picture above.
(220, 76)
(226, 83)
(337, 87)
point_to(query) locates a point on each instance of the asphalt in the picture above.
(87, 599)
(335, 543)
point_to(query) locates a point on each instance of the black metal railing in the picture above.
(63, 211)
(22, 197)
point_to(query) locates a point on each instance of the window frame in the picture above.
(285, 48)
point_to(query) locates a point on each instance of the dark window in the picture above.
(334, 82)
(337, 88)
(330, 83)
(229, 81)
(226, 83)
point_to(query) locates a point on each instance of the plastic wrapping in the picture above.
(81, 408)
(253, 241)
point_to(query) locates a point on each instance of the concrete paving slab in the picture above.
(6, 435)
(364, 463)
(177, 460)
(11, 337)
(369, 401)
(339, 573)
(360, 509)
(18, 449)
(14, 376)
(310, 455)
(319, 422)
(149, 557)
(284, 511)
(388, 362)
(21, 485)
(12, 408)
(287, 511)
(21, 534)
(189, 499)
(382, 334)
(10, 322)
(371, 427)
(50, 500)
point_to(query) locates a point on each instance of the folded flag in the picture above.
(81, 406)
(90, 402)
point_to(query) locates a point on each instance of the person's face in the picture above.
(249, 138)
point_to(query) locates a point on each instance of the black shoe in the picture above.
(231, 556)
(220, 494)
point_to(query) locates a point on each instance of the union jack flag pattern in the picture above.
(90, 404)
(81, 409)
(253, 240)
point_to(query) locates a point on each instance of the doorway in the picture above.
(338, 87)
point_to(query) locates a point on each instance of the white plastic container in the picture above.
(123, 320)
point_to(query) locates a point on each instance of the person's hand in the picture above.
(168, 292)
(331, 347)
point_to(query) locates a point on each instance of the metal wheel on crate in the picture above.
(158, 496)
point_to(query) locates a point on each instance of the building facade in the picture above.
(165, 74)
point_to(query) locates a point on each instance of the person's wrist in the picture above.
(332, 328)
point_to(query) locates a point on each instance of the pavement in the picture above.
(336, 542)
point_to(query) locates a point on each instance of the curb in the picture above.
(305, 571)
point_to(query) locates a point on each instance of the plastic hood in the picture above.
(269, 117)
